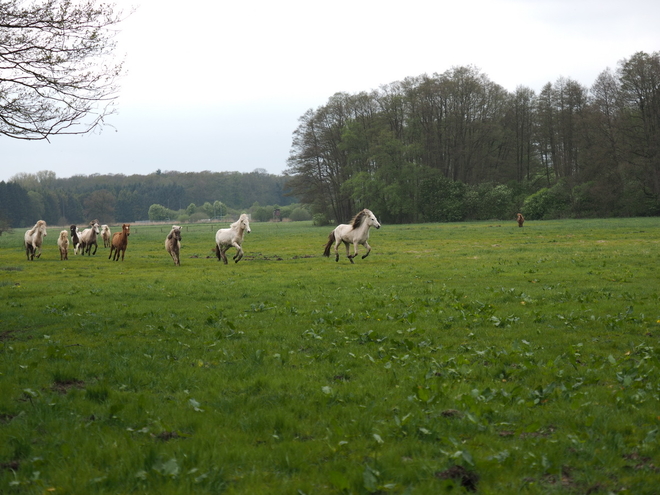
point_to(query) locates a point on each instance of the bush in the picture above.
(300, 214)
(320, 220)
(442, 200)
(547, 203)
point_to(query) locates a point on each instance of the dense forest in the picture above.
(118, 198)
(447, 147)
(457, 146)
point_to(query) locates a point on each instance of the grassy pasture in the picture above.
(456, 356)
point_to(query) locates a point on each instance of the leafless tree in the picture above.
(58, 74)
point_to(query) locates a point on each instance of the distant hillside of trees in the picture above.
(457, 146)
(448, 147)
(27, 198)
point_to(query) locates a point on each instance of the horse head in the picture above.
(245, 223)
(176, 232)
(373, 221)
(365, 215)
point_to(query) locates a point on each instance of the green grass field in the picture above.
(456, 357)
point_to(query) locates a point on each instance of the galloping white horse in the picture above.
(356, 232)
(88, 238)
(33, 239)
(233, 236)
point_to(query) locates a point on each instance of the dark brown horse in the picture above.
(120, 242)
(520, 219)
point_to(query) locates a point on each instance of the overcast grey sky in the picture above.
(220, 86)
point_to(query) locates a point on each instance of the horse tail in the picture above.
(328, 245)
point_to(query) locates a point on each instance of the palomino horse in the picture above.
(88, 238)
(520, 219)
(63, 245)
(107, 236)
(120, 242)
(33, 240)
(173, 244)
(233, 236)
(356, 232)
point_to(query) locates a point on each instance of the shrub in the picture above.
(547, 203)
(320, 219)
(300, 214)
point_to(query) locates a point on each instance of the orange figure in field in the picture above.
(520, 219)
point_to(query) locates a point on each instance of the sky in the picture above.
(220, 86)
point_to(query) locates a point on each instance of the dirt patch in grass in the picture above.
(565, 479)
(6, 418)
(641, 462)
(7, 335)
(11, 465)
(467, 479)
(62, 387)
(451, 413)
(167, 435)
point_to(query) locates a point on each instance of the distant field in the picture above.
(473, 356)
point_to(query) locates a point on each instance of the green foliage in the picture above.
(378, 149)
(300, 214)
(158, 213)
(117, 198)
(547, 203)
(442, 200)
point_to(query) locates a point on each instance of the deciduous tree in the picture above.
(57, 73)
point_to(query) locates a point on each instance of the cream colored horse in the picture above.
(33, 240)
(356, 232)
(232, 237)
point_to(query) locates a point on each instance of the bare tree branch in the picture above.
(57, 71)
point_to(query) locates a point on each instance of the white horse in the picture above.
(107, 236)
(33, 240)
(356, 232)
(233, 236)
(173, 243)
(88, 238)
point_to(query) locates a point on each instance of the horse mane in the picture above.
(358, 219)
(36, 227)
(234, 226)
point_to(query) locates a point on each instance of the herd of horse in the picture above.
(356, 232)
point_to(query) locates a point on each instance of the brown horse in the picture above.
(120, 242)
(520, 219)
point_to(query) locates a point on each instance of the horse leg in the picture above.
(368, 248)
(96, 246)
(111, 250)
(337, 242)
(239, 252)
(348, 252)
(223, 254)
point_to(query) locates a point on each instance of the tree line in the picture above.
(27, 198)
(457, 146)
